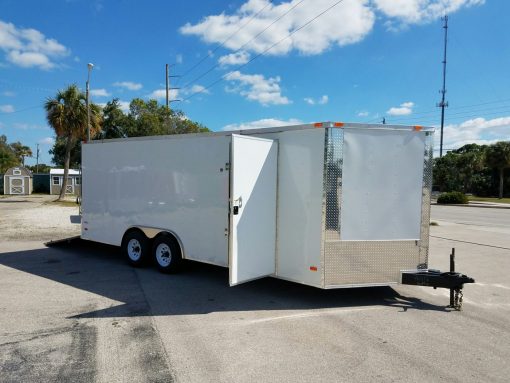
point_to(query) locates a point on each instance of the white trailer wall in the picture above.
(172, 183)
(299, 207)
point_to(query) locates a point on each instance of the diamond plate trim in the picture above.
(428, 163)
(333, 182)
(358, 262)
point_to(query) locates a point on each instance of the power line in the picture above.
(432, 112)
(222, 78)
(503, 108)
(23, 110)
(246, 43)
(211, 53)
(462, 116)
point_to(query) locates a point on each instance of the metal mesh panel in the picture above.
(425, 207)
(366, 262)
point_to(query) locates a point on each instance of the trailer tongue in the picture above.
(434, 278)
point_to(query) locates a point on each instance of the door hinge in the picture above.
(227, 165)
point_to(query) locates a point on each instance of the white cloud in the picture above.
(30, 59)
(8, 93)
(263, 123)
(123, 105)
(99, 93)
(357, 21)
(46, 141)
(404, 109)
(27, 47)
(195, 89)
(160, 94)
(255, 87)
(178, 59)
(477, 130)
(6, 108)
(363, 114)
(129, 85)
(420, 11)
(237, 58)
(321, 101)
(346, 23)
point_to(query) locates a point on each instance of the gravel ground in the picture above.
(39, 219)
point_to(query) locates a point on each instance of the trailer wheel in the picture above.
(135, 246)
(166, 254)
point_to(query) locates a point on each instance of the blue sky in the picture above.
(353, 60)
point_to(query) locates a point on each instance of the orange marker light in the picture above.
(338, 124)
(418, 128)
(313, 268)
(318, 124)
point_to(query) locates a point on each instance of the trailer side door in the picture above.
(252, 208)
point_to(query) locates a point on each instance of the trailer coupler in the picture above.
(435, 278)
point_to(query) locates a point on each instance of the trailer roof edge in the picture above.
(277, 129)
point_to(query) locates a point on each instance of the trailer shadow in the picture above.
(197, 289)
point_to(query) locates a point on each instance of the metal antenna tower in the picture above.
(443, 104)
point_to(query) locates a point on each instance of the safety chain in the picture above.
(458, 300)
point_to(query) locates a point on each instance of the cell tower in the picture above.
(443, 104)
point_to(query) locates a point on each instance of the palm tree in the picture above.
(67, 115)
(498, 156)
(21, 151)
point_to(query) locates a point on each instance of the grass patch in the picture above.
(489, 199)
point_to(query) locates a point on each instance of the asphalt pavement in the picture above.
(79, 313)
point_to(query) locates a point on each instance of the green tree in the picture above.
(8, 158)
(497, 156)
(67, 115)
(58, 153)
(470, 160)
(21, 151)
(114, 120)
(444, 173)
(148, 118)
(39, 169)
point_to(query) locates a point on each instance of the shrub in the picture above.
(452, 198)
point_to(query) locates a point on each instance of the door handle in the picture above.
(236, 205)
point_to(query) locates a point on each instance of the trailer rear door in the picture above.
(252, 208)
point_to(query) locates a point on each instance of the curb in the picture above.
(473, 205)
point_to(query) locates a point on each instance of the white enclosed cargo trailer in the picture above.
(328, 205)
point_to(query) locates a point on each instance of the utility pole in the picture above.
(89, 67)
(168, 87)
(443, 104)
(37, 159)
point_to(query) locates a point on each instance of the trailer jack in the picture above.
(435, 278)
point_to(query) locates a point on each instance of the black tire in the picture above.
(166, 254)
(136, 248)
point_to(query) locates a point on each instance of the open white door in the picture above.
(253, 208)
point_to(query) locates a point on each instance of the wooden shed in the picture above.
(73, 181)
(18, 181)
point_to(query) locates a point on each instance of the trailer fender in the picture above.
(153, 232)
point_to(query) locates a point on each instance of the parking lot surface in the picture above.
(79, 313)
